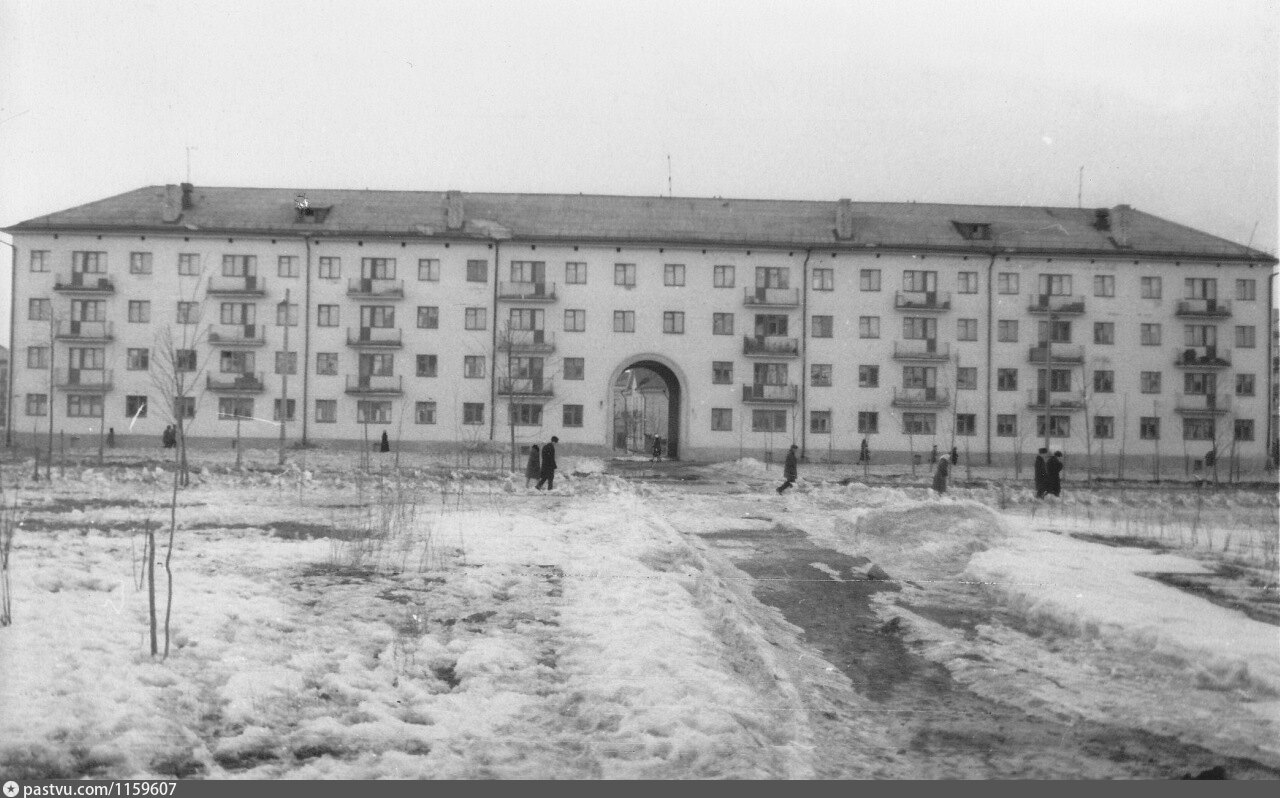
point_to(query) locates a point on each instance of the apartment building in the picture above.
(457, 319)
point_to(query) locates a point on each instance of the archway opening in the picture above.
(646, 403)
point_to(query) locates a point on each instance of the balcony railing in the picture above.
(247, 285)
(1203, 357)
(772, 297)
(527, 341)
(1057, 400)
(1210, 403)
(769, 393)
(1057, 353)
(367, 384)
(373, 337)
(1058, 305)
(1205, 308)
(921, 397)
(527, 292)
(526, 386)
(85, 380)
(928, 349)
(81, 283)
(85, 330)
(770, 346)
(937, 301)
(238, 335)
(235, 383)
(375, 288)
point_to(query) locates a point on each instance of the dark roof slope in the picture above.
(622, 219)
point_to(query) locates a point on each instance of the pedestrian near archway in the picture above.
(790, 470)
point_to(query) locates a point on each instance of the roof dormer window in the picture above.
(306, 213)
(973, 231)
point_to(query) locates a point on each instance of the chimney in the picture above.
(1102, 220)
(844, 219)
(172, 204)
(187, 204)
(453, 219)
(1120, 225)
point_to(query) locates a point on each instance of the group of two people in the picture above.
(1048, 472)
(542, 465)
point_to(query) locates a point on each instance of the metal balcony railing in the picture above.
(235, 383)
(247, 285)
(375, 383)
(82, 283)
(928, 349)
(1203, 357)
(938, 301)
(373, 336)
(527, 341)
(1057, 400)
(772, 297)
(526, 386)
(1211, 403)
(85, 380)
(85, 330)
(1059, 305)
(921, 397)
(1205, 308)
(238, 335)
(1057, 353)
(375, 288)
(770, 346)
(769, 393)
(527, 291)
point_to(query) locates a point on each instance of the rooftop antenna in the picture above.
(1251, 235)
(189, 149)
(669, 175)
(1080, 189)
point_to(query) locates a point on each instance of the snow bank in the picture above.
(920, 540)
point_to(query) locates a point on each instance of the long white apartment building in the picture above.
(450, 318)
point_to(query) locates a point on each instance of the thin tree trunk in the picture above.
(168, 559)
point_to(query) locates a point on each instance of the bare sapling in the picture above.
(8, 528)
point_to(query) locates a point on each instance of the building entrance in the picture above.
(646, 403)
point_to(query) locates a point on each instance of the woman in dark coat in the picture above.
(1042, 473)
(1053, 475)
(940, 474)
(789, 470)
(532, 469)
(385, 445)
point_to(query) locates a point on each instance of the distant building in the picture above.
(444, 316)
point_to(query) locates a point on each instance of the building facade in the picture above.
(457, 319)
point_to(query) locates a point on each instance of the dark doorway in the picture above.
(646, 402)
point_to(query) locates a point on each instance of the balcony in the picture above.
(235, 383)
(85, 380)
(767, 394)
(1058, 400)
(373, 288)
(247, 285)
(527, 386)
(770, 346)
(535, 341)
(374, 337)
(1205, 308)
(1203, 357)
(375, 384)
(772, 297)
(927, 350)
(1057, 305)
(1057, 353)
(921, 397)
(527, 292)
(1204, 404)
(237, 335)
(81, 283)
(925, 301)
(86, 331)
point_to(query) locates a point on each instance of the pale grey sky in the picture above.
(1170, 106)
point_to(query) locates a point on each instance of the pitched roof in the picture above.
(630, 219)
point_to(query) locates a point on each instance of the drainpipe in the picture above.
(991, 290)
(306, 343)
(13, 358)
(804, 355)
(493, 359)
(1271, 355)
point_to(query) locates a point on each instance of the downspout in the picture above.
(13, 358)
(306, 343)
(493, 348)
(990, 323)
(1271, 355)
(804, 355)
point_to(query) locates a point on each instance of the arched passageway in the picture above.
(646, 402)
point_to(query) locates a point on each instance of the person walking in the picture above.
(533, 468)
(111, 437)
(955, 456)
(940, 474)
(168, 438)
(1041, 473)
(864, 454)
(1053, 475)
(789, 470)
(657, 448)
(547, 475)
(385, 445)
(933, 454)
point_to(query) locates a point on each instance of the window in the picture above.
(1243, 429)
(1201, 335)
(84, 406)
(478, 272)
(571, 416)
(721, 419)
(426, 365)
(966, 329)
(673, 321)
(327, 363)
(89, 262)
(184, 359)
(139, 263)
(473, 412)
(1245, 337)
(1104, 381)
(769, 374)
(234, 362)
(722, 324)
(1104, 332)
(1150, 381)
(768, 421)
(1150, 334)
(967, 283)
(526, 415)
(869, 279)
(624, 274)
(39, 260)
(575, 273)
(428, 317)
(822, 326)
(428, 272)
(326, 315)
(673, 274)
(287, 266)
(820, 375)
(378, 316)
(1055, 284)
(966, 424)
(37, 357)
(188, 264)
(1151, 288)
(1006, 379)
(188, 312)
(574, 368)
(1104, 285)
(1149, 428)
(369, 411)
(773, 277)
(967, 378)
(1197, 429)
(973, 231)
(287, 314)
(722, 276)
(237, 312)
(915, 281)
(39, 310)
(1006, 425)
(1104, 427)
(868, 326)
(289, 409)
(820, 422)
(37, 404)
(424, 412)
(476, 319)
(868, 376)
(824, 279)
(138, 359)
(1007, 331)
(330, 268)
(326, 411)
(473, 367)
(286, 362)
(1007, 283)
(868, 422)
(1246, 291)
(624, 321)
(1200, 287)
(919, 423)
(722, 372)
(1244, 385)
(575, 320)
(1059, 426)
(918, 328)
(378, 268)
(184, 406)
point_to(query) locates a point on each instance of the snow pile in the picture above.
(582, 466)
(921, 541)
(745, 467)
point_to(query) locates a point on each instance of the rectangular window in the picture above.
(234, 362)
(574, 368)
(1006, 379)
(330, 268)
(1197, 429)
(184, 359)
(188, 264)
(773, 277)
(673, 322)
(428, 317)
(184, 406)
(722, 324)
(1150, 334)
(39, 310)
(1104, 381)
(188, 312)
(967, 283)
(139, 263)
(624, 321)
(135, 406)
(424, 412)
(37, 404)
(721, 419)
(84, 406)
(823, 326)
(624, 274)
(1059, 426)
(1200, 287)
(37, 357)
(1245, 338)
(286, 362)
(820, 375)
(39, 260)
(967, 378)
(868, 279)
(526, 415)
(237, 312)
(1246, 291)
(722, 372)
(89, 262)
(1150, 381)
(476, 319)
(473, 412)
(239, 265)
(326, 315)
(966, 329)
(290, 408)
(139, 311)
(1149, 428)
(326, 411)
(378, 268)
(1104, 285)
(571, 416)
(1007, 331)
(369, 411)
(1243, 429)
(327, 363)
(868, 376)
(478, 272)
(575, 273)
(1151, 288)
(919, 423)
(428, 272)
(1055, 285)
(918, 328)
(916, 281)
(868, 326)
(868, 422)
(1006, 425)
(722, 276)
(1007, 283)
(824, 279)
(426, 365)
(1200, 335)
(768, 421)
(1104, 427)
(966, 424)
(673, 274)
(1104, 332)
(575, 320)
(287, 266)
(820, 422)
(473, 367)
(1244, 385)
(138, 359)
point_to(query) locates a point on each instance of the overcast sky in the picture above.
(1169, 106)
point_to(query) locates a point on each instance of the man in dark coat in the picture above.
(657, 448)
(385, 446)
(940, 474)
(789, 470)
(1042, 473)
(864, 454)
(548, 475)
(533, 468)
(1053, 475)
(955, 455)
